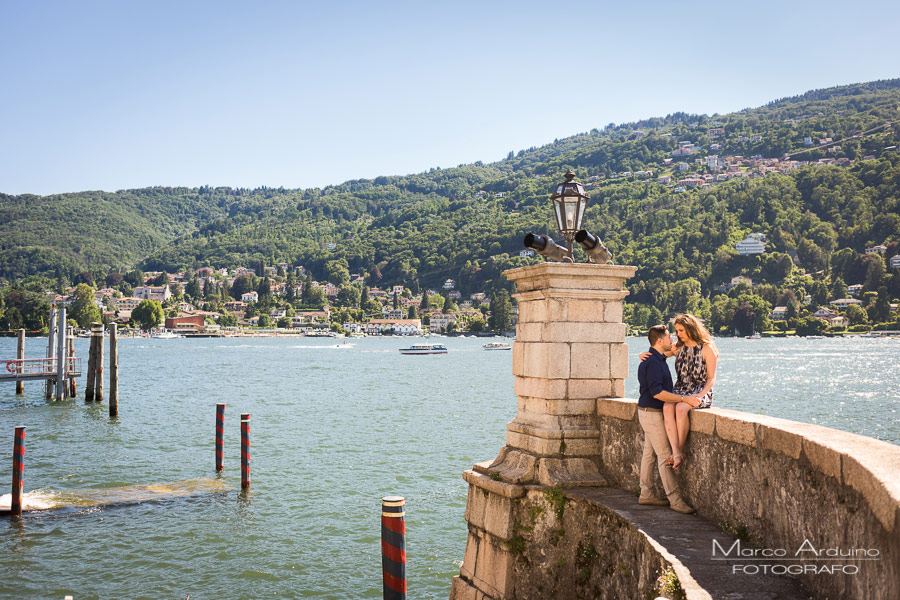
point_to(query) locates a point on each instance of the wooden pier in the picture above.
(59, 368)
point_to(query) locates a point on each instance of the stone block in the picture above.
(569, 472)
(549, 361)
(536, 387)
(572, 407)
(475, 505)
(518, 358)
(498, 517)
(460, 589)
(617, 408)
(618, 387)
(822, 457)
(590, 361)
(734, 427)
(533, 445)
(493, 568)
(533, 311)
(774, 437)
(557, 310)
(470, 558)
(703, 421)
(612, 311)
(530, 332)
(587, 311)
(618, 359)
(512, 466)
(589, 388)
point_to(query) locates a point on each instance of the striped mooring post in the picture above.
(113, 370)
(220, 437)
(245, 450)
(18, 474)
(393, 547)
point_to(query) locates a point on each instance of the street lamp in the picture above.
(569, 202)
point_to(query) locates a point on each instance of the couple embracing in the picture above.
(664, 407)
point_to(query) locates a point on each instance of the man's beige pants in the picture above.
(656, 442)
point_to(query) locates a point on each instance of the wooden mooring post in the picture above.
(113, 371)
(98, 384)
(393, 547)
(20, 355)
(70, 342)
(92, 364)
(245, 451)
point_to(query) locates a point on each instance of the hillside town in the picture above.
(286, 300)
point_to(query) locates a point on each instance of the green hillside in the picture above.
(467, 223)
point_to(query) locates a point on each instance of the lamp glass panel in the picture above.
(558, 209)
(571, 207)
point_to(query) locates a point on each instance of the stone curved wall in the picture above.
(781, 485)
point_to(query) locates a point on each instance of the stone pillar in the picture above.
(569, 351)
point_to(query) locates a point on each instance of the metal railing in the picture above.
(35, 368)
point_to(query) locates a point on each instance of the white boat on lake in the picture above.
(497, 346)
(165, 335)
(424, 349)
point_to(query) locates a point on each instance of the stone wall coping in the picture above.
(570, 270)
(576, 293)
(507, 490)
(868, 465)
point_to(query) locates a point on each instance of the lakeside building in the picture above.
(749, 246)
(895, 261)
(146, 292)
(399, 326)
(190, 323)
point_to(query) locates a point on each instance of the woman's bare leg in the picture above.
(682, 422)
(671, 427)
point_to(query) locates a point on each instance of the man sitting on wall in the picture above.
(656, 388)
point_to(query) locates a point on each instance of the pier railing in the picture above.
(37, 368)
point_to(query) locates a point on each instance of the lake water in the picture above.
(333, 431)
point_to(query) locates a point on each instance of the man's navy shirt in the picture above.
(653, 377)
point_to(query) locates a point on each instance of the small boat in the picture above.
(497, 346)
(165, 335)
(755, 336)
(344, 345)
(424, 349)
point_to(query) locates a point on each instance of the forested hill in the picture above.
(659, 200)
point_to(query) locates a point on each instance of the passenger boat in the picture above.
(497, 346)
(424, 349)
(165, 335)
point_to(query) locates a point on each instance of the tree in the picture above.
(241, 286)
(84, 308)
(264, 321)
(264, 288)
(396, 300)
(881, 308)
(838, 289)
(501, 309)
(413, 313)
(856, 315)
(811, 326)
(148, 314)
(347, 296)
(192, 289)
(285, 322)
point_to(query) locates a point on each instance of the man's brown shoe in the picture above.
(653, 501)
(682, 507)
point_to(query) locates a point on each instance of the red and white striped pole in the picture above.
(18, 474)
(220, 437)
(245, 450)
(393, 547)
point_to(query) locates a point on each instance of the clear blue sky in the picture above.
(113, 95)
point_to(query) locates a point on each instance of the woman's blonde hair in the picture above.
(695, 330)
